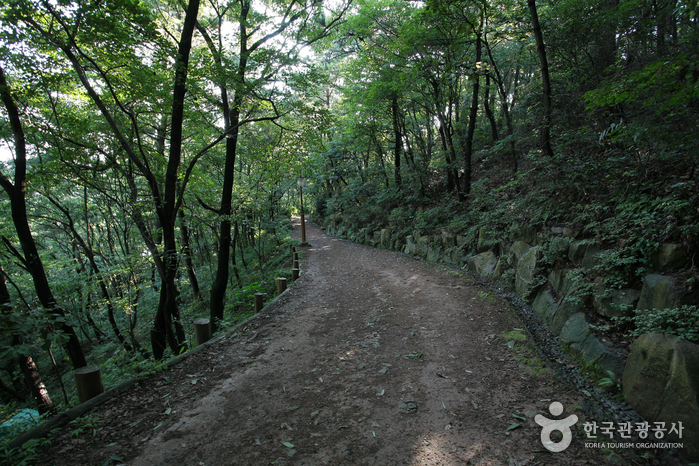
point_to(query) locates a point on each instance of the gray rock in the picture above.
(523, 233)
(669, 256)
(486, 240)
(483, 263)
(658, 292)
(555, 313)
(616, 303)
(500, 268)
(581, 250)
(561, 283)
(410, 246)
(576, 333)
(448, 239)
(422, 246)
(661, 382)
(434, 252)
(570, 232)
(575, 330)
(460, 240)
(408, 407)
(385, 238)
(565, 309)
(545, 305)
(527, 271)
(519, 249)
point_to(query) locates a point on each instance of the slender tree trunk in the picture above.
(545, 140)
(16, 192)
(472, 122)
(167, 325)
(187, 253)
(489, 110)
(399, 140)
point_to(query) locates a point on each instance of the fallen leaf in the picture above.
(519, 417)
(288, 444)
(513, 426)
(381, 393)
(156, 427)
(168, 411)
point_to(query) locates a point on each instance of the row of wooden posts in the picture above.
(88, 379)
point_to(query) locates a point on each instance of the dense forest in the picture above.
(152, 151)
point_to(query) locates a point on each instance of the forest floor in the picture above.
(371, 358)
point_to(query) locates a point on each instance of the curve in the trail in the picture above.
(370, 358)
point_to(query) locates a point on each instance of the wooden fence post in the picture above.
(202, 330)
(281, 285)
(88, 381)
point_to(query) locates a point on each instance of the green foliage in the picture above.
(610, 382)
(25, 455)
(682, 321)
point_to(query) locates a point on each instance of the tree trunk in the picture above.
(468, 151)
(489, 110)
(168, 313)
(545, 141)
(231, 124)
(187, 253)
(398, 138)
(16, 192)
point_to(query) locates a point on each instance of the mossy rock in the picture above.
(659, 292)
(661, 382)
(527, 271)
(519, 249)
(669, 256)
(487, 240)
(483, 264)
(616, 303)
(519, 232)
(448, 239)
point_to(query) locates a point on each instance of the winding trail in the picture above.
(370, 358)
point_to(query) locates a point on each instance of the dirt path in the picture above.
(371, 358)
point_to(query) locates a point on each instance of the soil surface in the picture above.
(370, 358)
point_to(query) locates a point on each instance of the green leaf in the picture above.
(288, 444)
(514, 426)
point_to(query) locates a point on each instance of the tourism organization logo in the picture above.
(552, 425)
(650, 436)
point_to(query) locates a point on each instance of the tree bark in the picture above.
(187, 253)
(468, 151)
(545, 137)
(17, 191)
(399, 140)
(168, 313)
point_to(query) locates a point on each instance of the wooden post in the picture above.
(259, 302)
(202, 330)
(291, 249)
(303, 218)
(295, 256)
(294, 274)
(295, 265)
(281, 285)
(88, 381)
